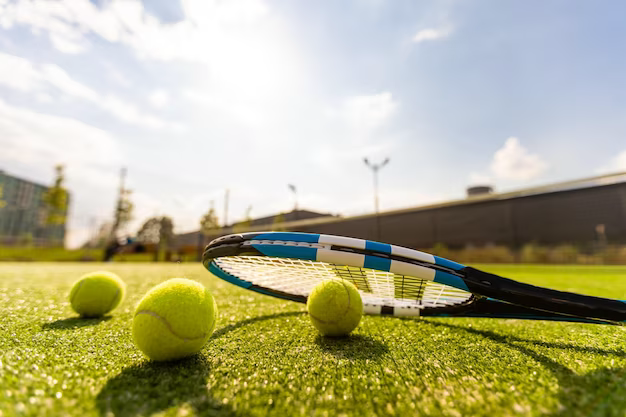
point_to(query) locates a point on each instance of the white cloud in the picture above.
(619, 162)
(369, 112)
(20, 74)
(514, 162)
(265, 62)
(65, 45)
(59, 78)
(159, 98)
(616, 164)
(335, 156)
(234, 109)
(33, 143)
(126, 21)
(117, 76)
(65, 22)
(39, 139)
(44, 98)
(360, 126)
(130, 114)
(251, 73)
(477, 178)
(432, 34)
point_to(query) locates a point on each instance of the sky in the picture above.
(194, 97)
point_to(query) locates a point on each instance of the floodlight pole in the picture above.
(375, 168)
(118, 206)
(294, 190)
(226, 198)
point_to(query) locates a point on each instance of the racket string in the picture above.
(298, 277)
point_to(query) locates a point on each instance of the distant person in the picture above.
(111, 249)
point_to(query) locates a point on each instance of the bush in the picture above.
(615, 255)
(533, 254)
(487, 254)
(440, 249)
(20, 254)
(563, 254)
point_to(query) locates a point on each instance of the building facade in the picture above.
(580, 212)
(23, 214)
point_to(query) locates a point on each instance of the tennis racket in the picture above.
(392, 280)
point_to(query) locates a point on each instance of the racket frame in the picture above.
(493, 296)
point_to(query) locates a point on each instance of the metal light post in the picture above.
(375, 168)
(118, 208)
(294, 190)
(226, 197)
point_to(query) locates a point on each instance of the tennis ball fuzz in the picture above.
(335, 307)
(97, 293)
(174, 319)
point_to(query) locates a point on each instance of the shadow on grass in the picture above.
(507, 339)
(575, 397)
(229, 328)
(74, 322)
(357, 347)
(153, 387)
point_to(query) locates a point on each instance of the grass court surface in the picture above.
(265, 357)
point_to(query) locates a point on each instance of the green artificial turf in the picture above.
(265, 358)
(59, 254)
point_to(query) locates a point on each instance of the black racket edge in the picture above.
(544, 299)
(482, 283)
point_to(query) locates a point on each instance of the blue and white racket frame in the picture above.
(488, 295)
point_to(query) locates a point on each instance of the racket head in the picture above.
(391, 279)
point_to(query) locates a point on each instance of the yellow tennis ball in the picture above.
(97, 293)
(174, 319)
(335, 307)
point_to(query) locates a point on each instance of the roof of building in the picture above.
(600, 180)
(319, 218)
(294, 215)
(4, 173)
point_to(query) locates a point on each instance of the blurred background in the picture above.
(491, 131)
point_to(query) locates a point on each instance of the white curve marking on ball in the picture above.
(169, 327)
(344, 313)
(80, 284)
(113, 300)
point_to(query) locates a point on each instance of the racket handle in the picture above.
(546, 299)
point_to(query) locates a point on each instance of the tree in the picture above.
(158, 231)
(56, 201)
(149, 232)
(209, 222)
(121, 217)
(123, 209)
(2, 202)
(166, 232)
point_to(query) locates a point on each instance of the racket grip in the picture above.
(494, 286)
